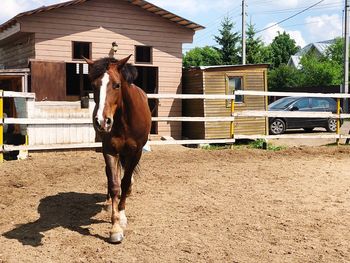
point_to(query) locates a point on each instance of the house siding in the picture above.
(102, 22)
(16, 53)
(215, 83)
(193, 83)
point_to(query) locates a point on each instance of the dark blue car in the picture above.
(279, 125)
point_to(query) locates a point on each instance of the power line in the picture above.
(302, 11)
(325, 6)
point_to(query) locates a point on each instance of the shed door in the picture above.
(48, 80)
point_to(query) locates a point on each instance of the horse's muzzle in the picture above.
(103, 126)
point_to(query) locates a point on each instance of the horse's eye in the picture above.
(116, 85)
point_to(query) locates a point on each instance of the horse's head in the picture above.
(107, 77)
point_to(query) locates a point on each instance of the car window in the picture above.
(320, 103)
(281, 103)
(302, 104)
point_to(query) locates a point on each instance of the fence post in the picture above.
(338, 120)
(1, 126)
(232, 127)
(232, 124)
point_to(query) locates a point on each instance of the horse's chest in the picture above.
(121, 144)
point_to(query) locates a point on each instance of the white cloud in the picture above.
(269, 34)
(10, 8)
(324, 27)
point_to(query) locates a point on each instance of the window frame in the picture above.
(90, 50)
(229, 92)
(150, 54)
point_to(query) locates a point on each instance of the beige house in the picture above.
(51, 41)
(224, 80)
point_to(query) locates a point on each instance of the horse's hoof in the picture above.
(116, 238)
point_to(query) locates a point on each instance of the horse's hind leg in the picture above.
(114, 182)
(130, 165)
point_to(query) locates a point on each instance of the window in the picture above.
(143, 54)
(80, 50)
(302, 104)
(320, 104)
(77, 83)
(234, 83)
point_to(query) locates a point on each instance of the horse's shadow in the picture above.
(68, 210)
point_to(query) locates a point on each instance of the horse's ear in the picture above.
(89, 61)
(123, 61)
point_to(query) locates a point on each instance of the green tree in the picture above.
(284, 77)
(256, 52)
(229, 43)
(335, 52)
(282, 47)
(320, 71)
(201, 56)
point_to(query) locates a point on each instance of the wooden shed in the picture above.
(223, 80)
(51, 41)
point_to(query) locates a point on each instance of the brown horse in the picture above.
(123, 120)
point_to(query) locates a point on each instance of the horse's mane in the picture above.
(100, 66)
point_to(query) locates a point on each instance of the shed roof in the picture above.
(140, 3)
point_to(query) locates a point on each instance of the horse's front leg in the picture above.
(131, 163)
(113, 171)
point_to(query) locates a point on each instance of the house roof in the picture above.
(320, 47)
(294, 61)
(140, 3)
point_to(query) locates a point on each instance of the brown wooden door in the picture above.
(48, 80)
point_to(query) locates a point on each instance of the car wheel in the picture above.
(331, 125)
(278, 126)
(308, 129)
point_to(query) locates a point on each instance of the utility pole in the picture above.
(345, 88)
(243, 34)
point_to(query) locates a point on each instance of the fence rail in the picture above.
(291, 94)
(231, 119)
(14, 94)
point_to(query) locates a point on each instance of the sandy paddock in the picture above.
(188, 205)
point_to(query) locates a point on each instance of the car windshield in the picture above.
(281, 103)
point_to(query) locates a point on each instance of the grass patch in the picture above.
(240, 144)
(261, 144)
(213, 147)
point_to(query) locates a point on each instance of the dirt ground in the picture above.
(188, 205)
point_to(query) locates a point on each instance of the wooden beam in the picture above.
(286, 114)
(13, 94)
(47, 121)
(191, 96)
(194, 119)
(10, 31)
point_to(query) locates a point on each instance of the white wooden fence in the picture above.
(86, 120)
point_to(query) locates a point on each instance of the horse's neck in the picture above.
(126, 92)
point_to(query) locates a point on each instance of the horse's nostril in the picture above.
(109, 121)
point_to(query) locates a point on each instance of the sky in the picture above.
(321, 22)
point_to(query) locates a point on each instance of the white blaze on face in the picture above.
(103, 92)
